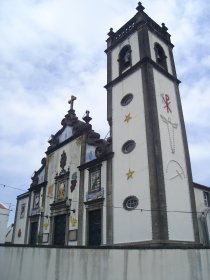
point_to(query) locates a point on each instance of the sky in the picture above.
(52, 49)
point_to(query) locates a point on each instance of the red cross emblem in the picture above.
(167, 102)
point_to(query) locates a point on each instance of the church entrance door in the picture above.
(59, 230)
(33, 233)
(94, 234)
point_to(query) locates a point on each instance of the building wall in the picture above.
(73, 153)
(155, 39)
(130, 226)
(174, 162)
(199, 199)
(99, 264)
(203, 214)
(21, 220)
(4, 216)
(133, 42)
(88, 208)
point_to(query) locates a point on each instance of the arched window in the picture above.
(160, 56)
(124, 58)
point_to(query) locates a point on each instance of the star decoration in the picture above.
(46, 226)
(130, 174)
(78, 141)
(127, 118)
(73, 221)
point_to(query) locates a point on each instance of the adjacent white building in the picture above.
(4, 216)
(202, 199)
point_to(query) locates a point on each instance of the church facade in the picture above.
(134, 187)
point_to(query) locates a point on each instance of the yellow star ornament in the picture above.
(130, 174)
(78, 141)
(73, 221)
(127, 118)
(46, 226)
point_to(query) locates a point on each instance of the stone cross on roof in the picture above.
(71, 101)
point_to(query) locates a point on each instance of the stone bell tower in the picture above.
(152, 198)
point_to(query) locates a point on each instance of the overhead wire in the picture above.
(15, 188)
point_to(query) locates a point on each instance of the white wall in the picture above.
(155, 39)
(135, 225)
(23, 263)
(4, 216)
(133, 42)
(199, 200)
(20, 223)
(174, 162)
(73, 153)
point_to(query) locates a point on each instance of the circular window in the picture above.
(128, 146)
(130, 203)
(127, 99)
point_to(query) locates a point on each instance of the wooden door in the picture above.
(59, 230)
(94, 233)
(34, 233)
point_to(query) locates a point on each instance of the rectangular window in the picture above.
(206, 196)
(61, 190)
(36, 200)
(22, 210)
(95, 180)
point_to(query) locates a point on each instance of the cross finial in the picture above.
(71, 101)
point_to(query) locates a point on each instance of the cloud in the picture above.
(51, 49)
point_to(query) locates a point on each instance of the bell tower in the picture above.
(152, 195)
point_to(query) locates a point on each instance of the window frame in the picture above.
(93, 171)
(126, 200)
(123, 64)
(160, 56)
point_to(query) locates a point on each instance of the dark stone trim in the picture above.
(144, 44)
(146, 245)
(140, 64)
(109, 203)
(201, 187)
(96, 161)
(97, 205)
(94, 202)
(188, 165)
(157, 185)
(38, 187)
(109, 92)
(70, 139)
(42, 214)
(172, 62)
(21, 196)
(27, 230)
(62, 176)
(109, 66)
(136, 22)
(34, 216)
(81, 194)
(14, 228)
(58, 204)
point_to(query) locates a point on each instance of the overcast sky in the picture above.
(52, 49)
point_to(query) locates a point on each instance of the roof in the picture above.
(3, 206)
(201, 187)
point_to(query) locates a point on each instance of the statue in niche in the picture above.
(63, 160)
